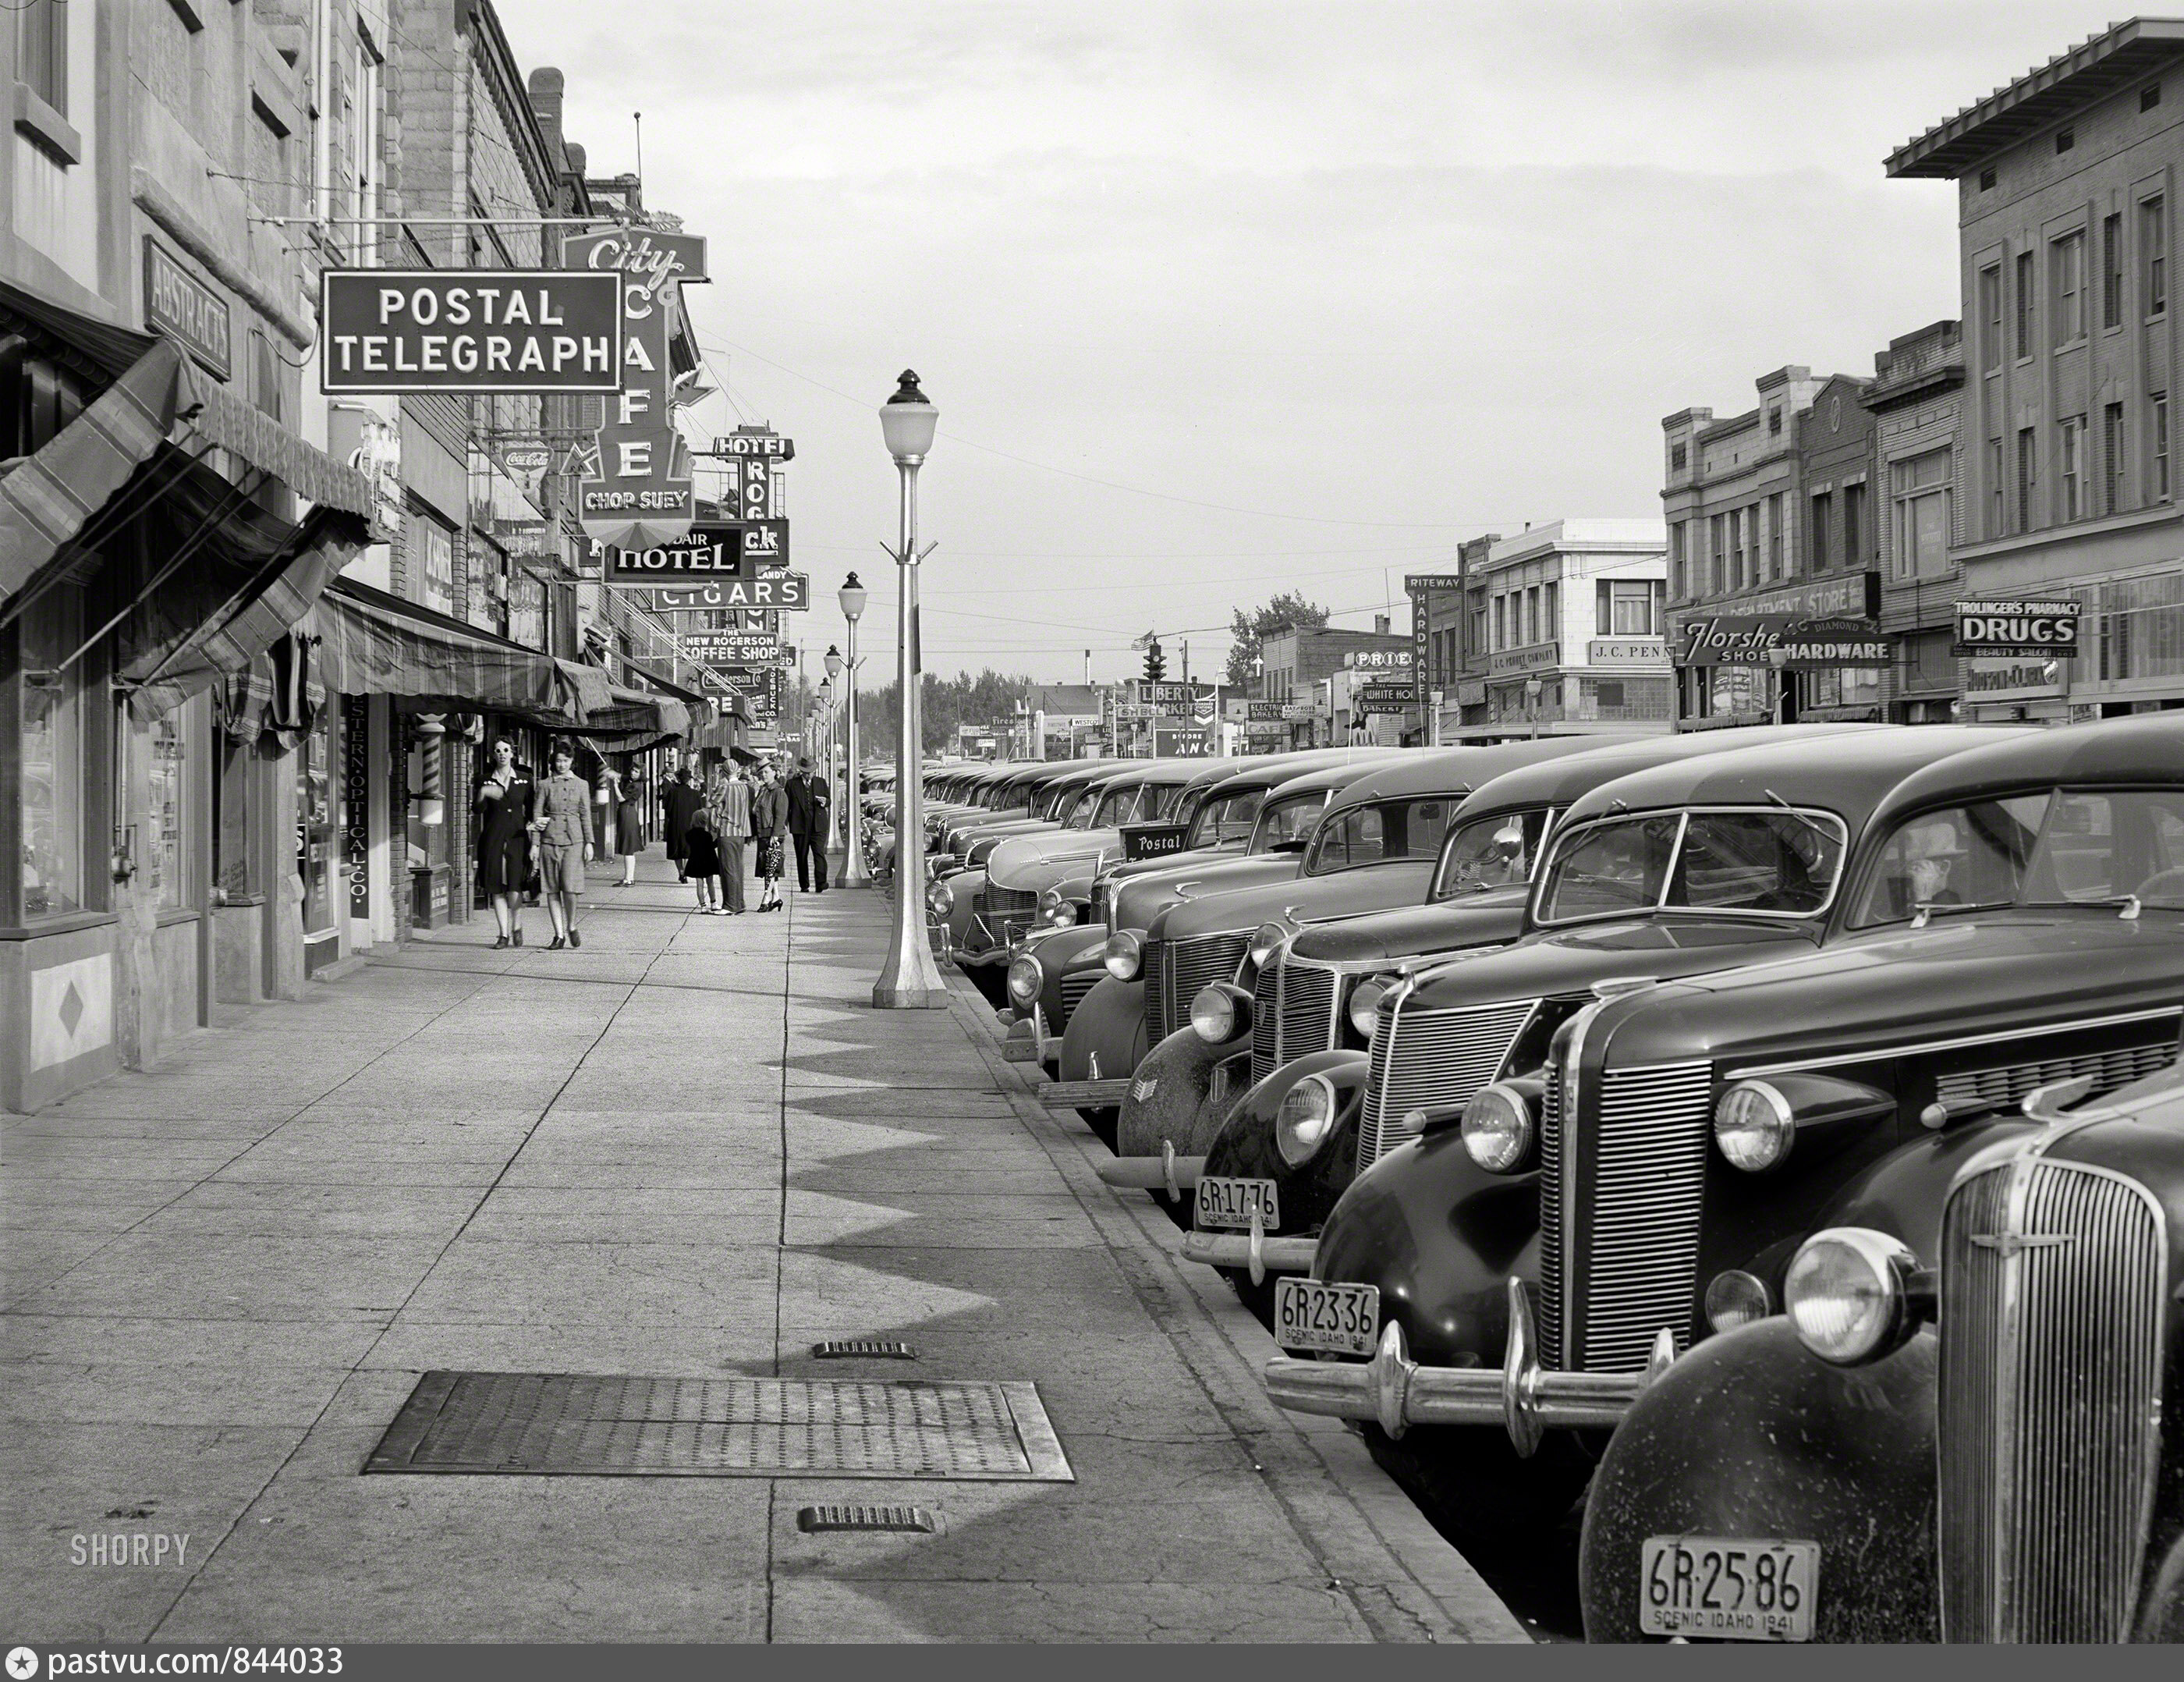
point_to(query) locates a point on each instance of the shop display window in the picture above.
(51, 741)
(166, 843)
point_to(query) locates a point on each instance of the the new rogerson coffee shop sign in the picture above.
(470, 330)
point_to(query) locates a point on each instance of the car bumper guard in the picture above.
(1085, 1095)
(1524, 1398)
(1168, 1171)
(1258, 1252)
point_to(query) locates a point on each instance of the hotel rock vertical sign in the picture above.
(637, 491)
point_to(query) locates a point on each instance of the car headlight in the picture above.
(941, 898)
(1125, 951)
(1497, 1128)
(1063, 915)
(1266, 940)
(1365, 1003)
(1218, 1014)
(1051, 901)
(1026, 975)
(1735, 1298)
(1848, 1294)
(1754, 1126)
(1305, 1120)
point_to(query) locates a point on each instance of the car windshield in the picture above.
(1383, 831)
(1117, 805)
(1288, 820)
(1498, 850)
(1228, 818)
(2072, 846)
(1761, 863)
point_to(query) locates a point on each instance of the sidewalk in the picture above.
(688, 1150)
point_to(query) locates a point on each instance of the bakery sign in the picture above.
(2021, 627)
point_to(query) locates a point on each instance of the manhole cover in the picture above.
(870, 1349)
(842, 1517)
(549, 1424)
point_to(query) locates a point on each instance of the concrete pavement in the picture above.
(689, 1149)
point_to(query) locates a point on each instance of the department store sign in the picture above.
(1625, 651)
(470, 330)
(1534, 657)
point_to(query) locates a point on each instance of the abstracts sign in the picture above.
(470, 330)
(2049, 629)
(179, 305)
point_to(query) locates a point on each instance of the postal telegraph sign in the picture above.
(2050, 629)
(470, 330)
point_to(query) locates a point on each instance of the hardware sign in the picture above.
(470, 330)
(1820, 643)
(179, 305)
(2050, 628)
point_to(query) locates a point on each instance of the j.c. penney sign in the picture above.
(2049, 629)
(471, 330)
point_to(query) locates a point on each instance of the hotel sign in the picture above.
(179, 305)
(470, 330)
(2049, 629)
(712, 551)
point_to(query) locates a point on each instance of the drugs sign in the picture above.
(2019, 626)
(470, 330)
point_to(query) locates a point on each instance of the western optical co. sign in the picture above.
(471, 330)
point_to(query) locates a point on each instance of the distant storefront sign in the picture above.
(1170, 694)
(791, 590)
(1424, 583)
(1367, 707)
(179, 305)
(470, 330)
(731, 648)
(1732, 639)
(1262, 712)
(1817, 644)
(1189, 741)
(754, 447)
(2050, 628)
(1533, 657)
(1297, 712)
(1471, 691)
(1378, 659)
(2030, 677)
(1621, 651)
(1381, 695)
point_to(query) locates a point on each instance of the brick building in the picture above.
(1916, 399)
(2065, 481)
(1300, 668)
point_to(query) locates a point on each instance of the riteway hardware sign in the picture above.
(1819, 643)
(470, 330)
(2051, 629)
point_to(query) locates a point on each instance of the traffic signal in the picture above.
(1156, 662)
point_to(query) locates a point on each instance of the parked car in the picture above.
(1375, 846)
(1315, 995)
(1965, 1427)
(2015, 916)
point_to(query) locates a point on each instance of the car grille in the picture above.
(1551, 1216)
(1009, 912)
(1292, 1014)
(1972, 1091)
(2050, 1402)
(1099, 901)
(1184, 966)
(1152, 964)
(1431, 1059)
(1074, 986)
(1634, 1253)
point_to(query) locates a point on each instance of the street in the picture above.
(688, 1150)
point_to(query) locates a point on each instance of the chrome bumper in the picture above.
(1085, 1095)
(1168, 1171)
(984, 958)
(1027, 1040)
(1255, 1252)
(1523, 1397)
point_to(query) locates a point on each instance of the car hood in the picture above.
(1134, 904)
(1494, 916)
(1556, 965)
(1976, 975)
(1018, 855)
(1312, 898)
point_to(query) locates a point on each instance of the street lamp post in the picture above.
(836, 860)
(854, 872)
(910, 979)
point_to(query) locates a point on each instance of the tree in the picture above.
(1248, 631)
(1156, 662)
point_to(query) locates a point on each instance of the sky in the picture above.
(1222, 300)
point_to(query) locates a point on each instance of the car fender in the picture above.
(1168, 1094)
(1109, 1025)
(1067, 951)
(968, 886)
(1246, 1148)
(1751, 1436)
(1441, 1238)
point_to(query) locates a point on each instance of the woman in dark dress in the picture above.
(503, 809)
(629, 824)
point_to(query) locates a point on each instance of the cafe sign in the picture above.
(2021, 627)
(470, 330)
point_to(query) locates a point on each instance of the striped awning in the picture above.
(373, 644)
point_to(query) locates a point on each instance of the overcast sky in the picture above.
(1373, 278)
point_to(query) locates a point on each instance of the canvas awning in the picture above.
(634, 720)
(374, 643)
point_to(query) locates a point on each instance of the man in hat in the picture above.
(811, 812)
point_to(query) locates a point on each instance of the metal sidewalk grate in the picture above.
(873, 1349)
(835, 1516)
(518, 1424)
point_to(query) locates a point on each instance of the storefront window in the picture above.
(314, 827)
(52, 759)
(433, 557)
(165, 846)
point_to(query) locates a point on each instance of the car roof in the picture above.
(1556, 782)
(2148, 748)
(1325, 777)
(1459, 770)
(1850, 774)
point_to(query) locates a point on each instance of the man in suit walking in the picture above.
(811, 813)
